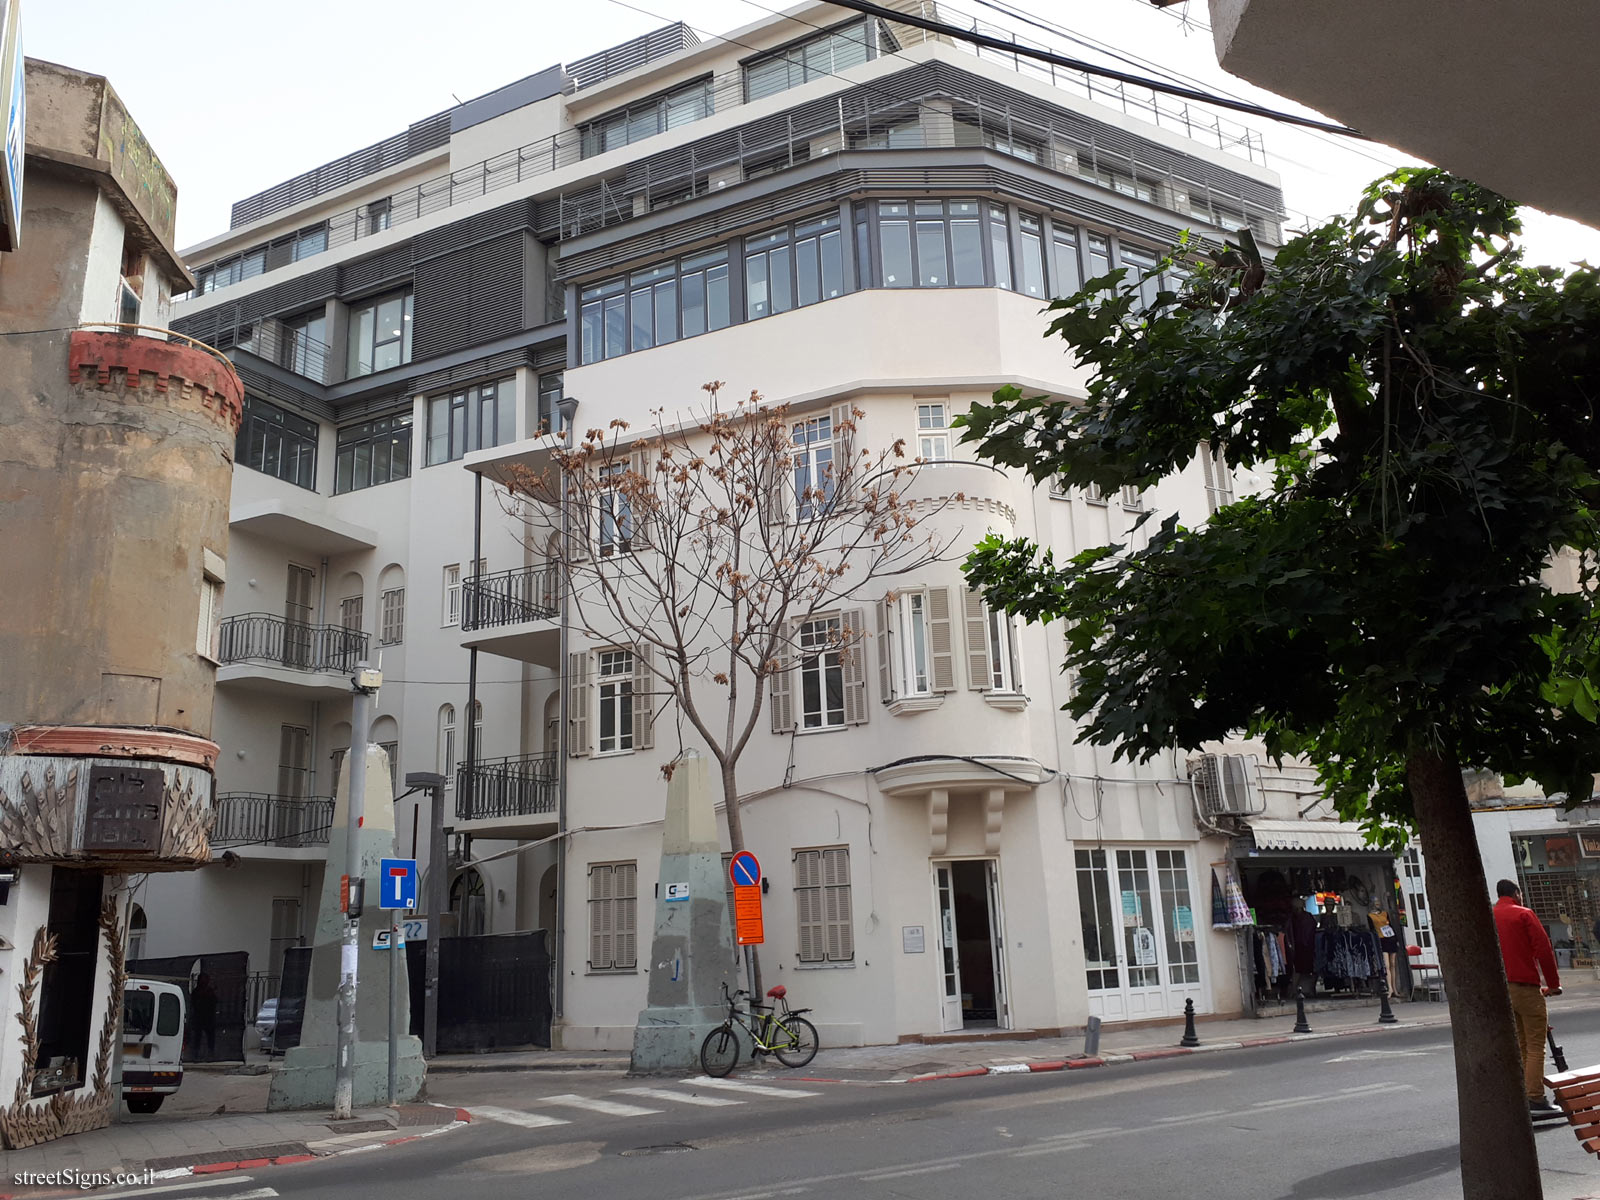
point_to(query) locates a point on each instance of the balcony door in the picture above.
(284, 820)
(297, 614)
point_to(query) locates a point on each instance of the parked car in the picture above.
(267, 1024)
(152, 1043)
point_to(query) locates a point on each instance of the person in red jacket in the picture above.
(1525, 948)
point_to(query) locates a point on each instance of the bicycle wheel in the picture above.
(719, 1051)
(800, 1046)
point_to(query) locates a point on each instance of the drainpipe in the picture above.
(465, 780)
(568, 407)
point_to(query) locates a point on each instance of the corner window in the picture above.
(614, 726)
(379, 335)
(822, 905)
(916, 656)
(654, 306)
(373, 452)
(276, 442)
(472, 419)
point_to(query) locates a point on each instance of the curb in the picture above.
(1154, 1054)
(462, 1117)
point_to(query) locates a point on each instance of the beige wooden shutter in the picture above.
(941, 640)
(625, 915)
(601, 938)
(844, 443)
(808, 904)
(774, 488)
(578, 704)
(641, 464)
(885, 614)
(1014, 630)
(853, 666)
(978, 678)
(581, 517)
(839, 929)
(781, 697)
(644, 686)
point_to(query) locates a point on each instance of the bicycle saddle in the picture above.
(777, 991)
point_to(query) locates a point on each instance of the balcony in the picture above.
(274, 654)
(262, 819)
(512, 613)
(511, 795)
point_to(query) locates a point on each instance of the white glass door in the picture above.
(949, 953)
(1141, 953)
(997, 939)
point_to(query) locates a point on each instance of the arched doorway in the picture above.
(468, 903)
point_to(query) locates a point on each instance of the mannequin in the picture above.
(1389, 944)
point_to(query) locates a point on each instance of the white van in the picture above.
(152, 1043)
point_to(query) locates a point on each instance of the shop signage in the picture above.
(1561, 853)
(1183, 924)
(1130, 909)
(124, 810)
(1589, 844)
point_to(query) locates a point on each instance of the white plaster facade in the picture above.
(985, 777)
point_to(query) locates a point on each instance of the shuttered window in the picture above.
(1219, 478)
(393, 627)
(916, 645)
(993, 661)
(822, 905)
(613, 916)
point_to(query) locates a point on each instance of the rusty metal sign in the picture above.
(124, 810)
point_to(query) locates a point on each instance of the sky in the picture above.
(236, 97)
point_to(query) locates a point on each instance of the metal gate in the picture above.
(214, 1030)
(494, 990)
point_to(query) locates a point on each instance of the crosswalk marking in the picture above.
(677, 1097)
(609, 1107)
(753, 1089)
(210, 1181)
(510, 1116)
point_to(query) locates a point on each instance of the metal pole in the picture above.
(349, 952)
(471, 599)
(567, 406)
(436, 903)
(394, 1005)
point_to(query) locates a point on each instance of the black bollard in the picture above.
(1189, 1039)
(1300, 1025)
(1385, 1013)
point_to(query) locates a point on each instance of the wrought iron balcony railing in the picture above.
(507, 787)
(279, 642)
(262, 819)
(510, 597)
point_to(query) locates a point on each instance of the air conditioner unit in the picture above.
(1228, 785)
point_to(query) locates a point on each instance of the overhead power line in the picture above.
(1076, 64)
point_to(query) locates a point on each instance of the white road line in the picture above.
(677, 1097)
(208, 1181)
(253, 1194)
(589, 1103)
(510, 1116)
(873, 1178)
(1053, 1148)
(1078, 1134)
(753, 1089)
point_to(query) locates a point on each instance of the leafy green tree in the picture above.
(1388, 606)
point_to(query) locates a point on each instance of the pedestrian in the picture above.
(1526, 950)
(203, 1008)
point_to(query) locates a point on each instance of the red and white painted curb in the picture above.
(1074, 1064)
(462, 1117)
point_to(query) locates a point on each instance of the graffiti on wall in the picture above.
(135, 166)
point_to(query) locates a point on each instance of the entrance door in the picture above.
(972, 965)
(1140, 951)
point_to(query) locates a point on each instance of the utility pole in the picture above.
(567, 407)
(434, 785)
(365, 682)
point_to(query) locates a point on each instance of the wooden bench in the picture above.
(1578, 1094)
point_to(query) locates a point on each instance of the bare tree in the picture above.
(720, 546)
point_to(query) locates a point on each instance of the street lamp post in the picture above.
(567, 406)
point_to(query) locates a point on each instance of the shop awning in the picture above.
(1308, 835)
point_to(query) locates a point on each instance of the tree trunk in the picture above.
(730, 806)
(1498, 1159)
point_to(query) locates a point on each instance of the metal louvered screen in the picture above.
(469, 297)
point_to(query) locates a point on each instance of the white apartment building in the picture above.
(828, 209)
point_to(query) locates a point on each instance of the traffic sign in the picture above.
(744, 869)
(397, 883)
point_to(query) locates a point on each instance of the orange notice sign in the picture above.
(747, 925)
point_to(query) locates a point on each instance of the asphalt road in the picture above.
(1361, 1116)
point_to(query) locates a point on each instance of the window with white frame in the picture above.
(993, 661)
(813, 466)
(615, 532)
(821, 674)
(350, 613)
(208, 630)
(392, 627)
(452, 594)
(614, 694)
(1132, 498)
(915, 647)
(1218, 476)
(613, 916)
(912, 610)
(933, 433)
(446, 759)
(822, 905)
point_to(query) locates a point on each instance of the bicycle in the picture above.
(786, 1034)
